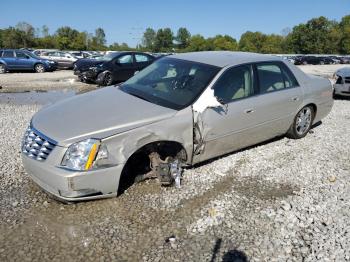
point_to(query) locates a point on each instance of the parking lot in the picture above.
(238, 206)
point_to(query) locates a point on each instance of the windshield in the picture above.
(171, 82)
(33, 55)
(108, 57)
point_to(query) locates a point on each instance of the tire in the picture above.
(39, 68)
(2, 69)
(302, 123)
(108, 79)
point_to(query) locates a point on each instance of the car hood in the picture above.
(85, 63)
(96, 114)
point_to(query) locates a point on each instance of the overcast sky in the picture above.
(125, 21)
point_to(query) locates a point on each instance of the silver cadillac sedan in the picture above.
(181, 110)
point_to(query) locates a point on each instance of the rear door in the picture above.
(123, 67)
(280, 93)
(9, 57)
(142, 60)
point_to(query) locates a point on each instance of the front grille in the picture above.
(36, 145)
(347, 80)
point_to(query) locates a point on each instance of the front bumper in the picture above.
(88, 75)
(342, 89)
(70, 185)
(51, 67)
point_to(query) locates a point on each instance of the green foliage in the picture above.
(251, 42)
(183, 37)
(220, 42)
(344, 28)
(149, 38)
(198, 43)
(317, 36)
(164, 40)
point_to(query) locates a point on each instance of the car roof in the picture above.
(224, 58)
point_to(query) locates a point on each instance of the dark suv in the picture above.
(17, 60)
(112, 68)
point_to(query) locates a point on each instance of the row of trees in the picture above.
(65, 38)
(318, 35)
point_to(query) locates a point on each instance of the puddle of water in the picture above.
(35, 97)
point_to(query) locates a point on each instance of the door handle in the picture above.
(296, 98)
(248, 111)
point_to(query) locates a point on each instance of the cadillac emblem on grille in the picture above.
(36, 145)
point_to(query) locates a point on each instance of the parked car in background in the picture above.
(112, 68)
(38, 52)
(344, 60)
(64, 60)
(342, 82)
(179, 111)
(17, 60)
(313, 60)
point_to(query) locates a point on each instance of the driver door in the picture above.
(229, 127)
(23, 61)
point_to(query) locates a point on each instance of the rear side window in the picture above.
(8, 54)
(288, 77)
(0, 53)
(274, 77)
(20, 54)
(141, 58)
(235, 83)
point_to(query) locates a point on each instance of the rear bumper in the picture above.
(70, 185)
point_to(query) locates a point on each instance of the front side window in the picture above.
(171, 82)
(8, 54)
(235, 83)
(125, 59)
(141, 58)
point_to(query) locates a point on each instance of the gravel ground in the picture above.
(321, 70)
(27, 81)
(284, 200)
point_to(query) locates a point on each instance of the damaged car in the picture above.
(112, 68)
(181, 110)
(342, 82)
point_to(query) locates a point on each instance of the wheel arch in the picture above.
(138, 161)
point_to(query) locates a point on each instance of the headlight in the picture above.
(82, 155)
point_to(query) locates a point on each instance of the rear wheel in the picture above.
(302, 123)
(2, 69)
(39, 68)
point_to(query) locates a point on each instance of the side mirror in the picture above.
(27, 56)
